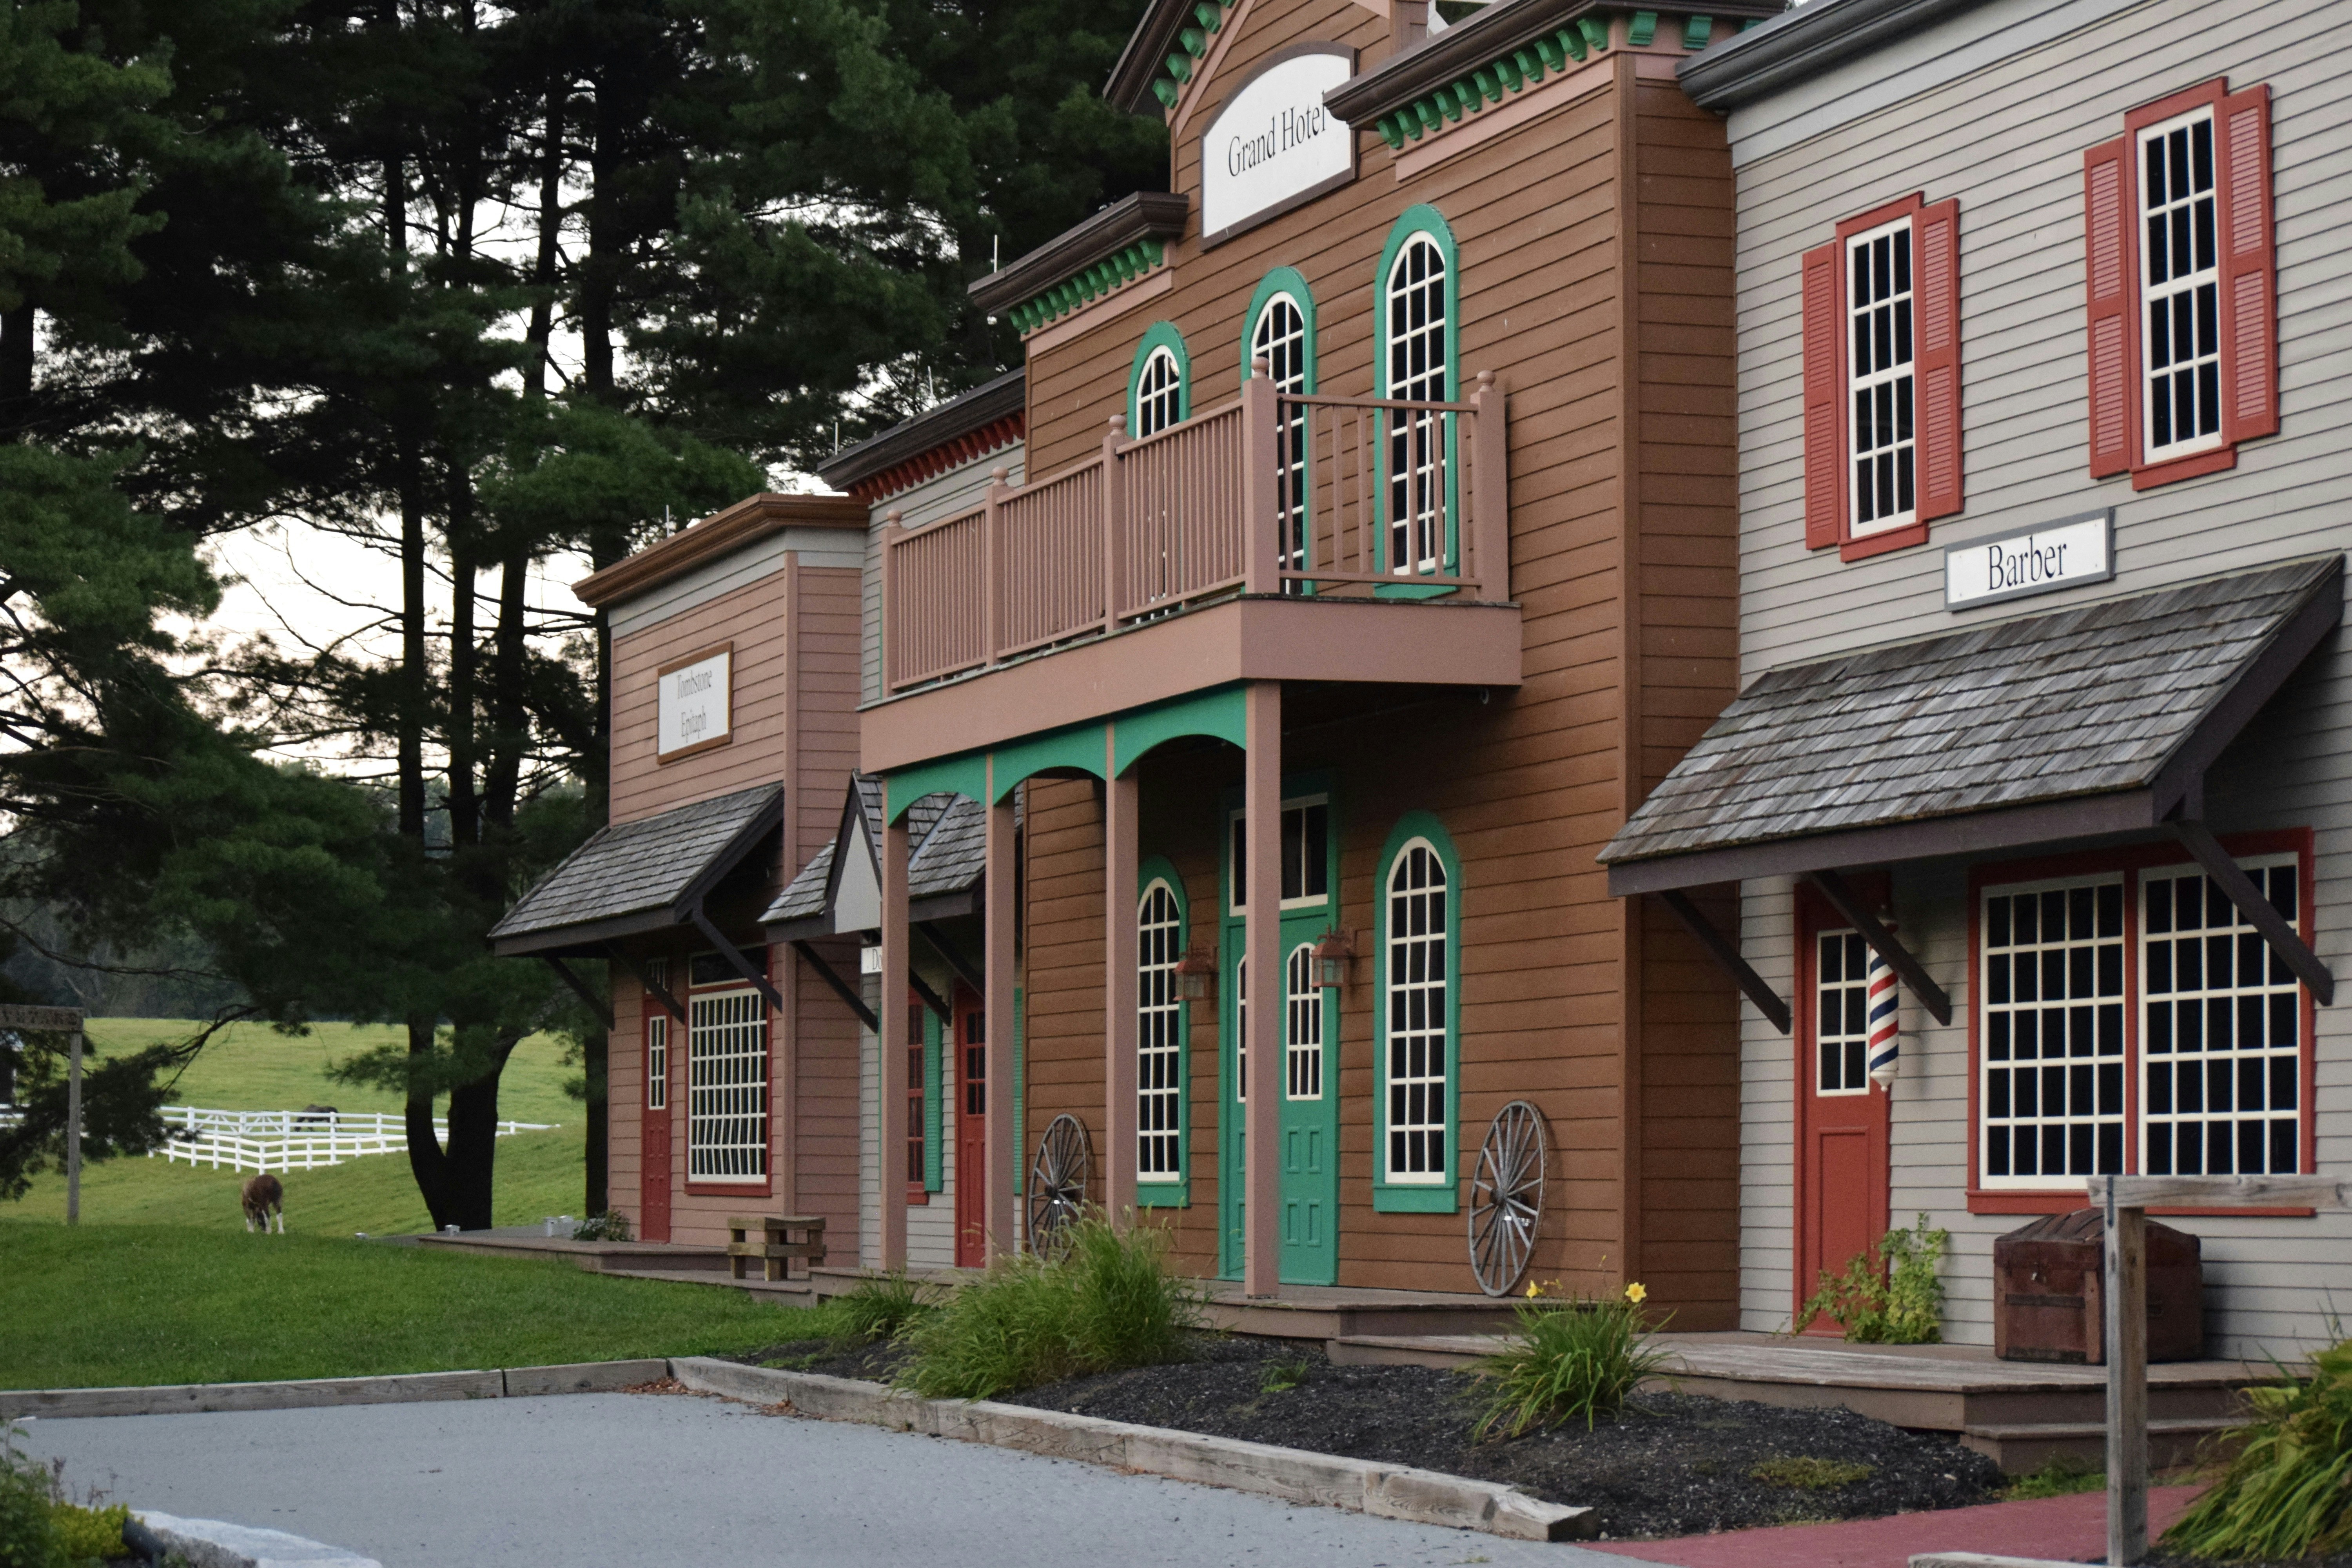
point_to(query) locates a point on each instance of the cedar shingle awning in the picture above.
(634, 878)
(838, 893)
(2094, 720)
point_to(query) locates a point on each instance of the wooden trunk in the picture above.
(2049, 1299)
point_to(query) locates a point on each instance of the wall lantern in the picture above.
(1333, 952)
(1196, 977)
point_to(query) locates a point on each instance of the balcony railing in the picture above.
(1270, 494)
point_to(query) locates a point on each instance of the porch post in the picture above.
(1262, 951)
(1003, 1139)
(1121, 854)
(891, 1161)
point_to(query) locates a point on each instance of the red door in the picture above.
(654, 1175)
(1842, 1115)
(970, 1129)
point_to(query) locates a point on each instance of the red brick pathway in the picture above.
(2068, 1528)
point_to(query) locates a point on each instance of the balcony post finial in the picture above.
(1261, 365)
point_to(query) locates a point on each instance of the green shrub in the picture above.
(28, 1531)
(1806, 1473)
(90, 1532)
(610, 1226)
(1567, 1359)
(1106, 1303)
(2288, 1490)
(2061, 1477)
(1890, 1295)
(1282, 1376)
(876, 1309)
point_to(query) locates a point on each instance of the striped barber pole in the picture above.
(1886, 1039)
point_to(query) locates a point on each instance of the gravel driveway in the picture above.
(638, 1481)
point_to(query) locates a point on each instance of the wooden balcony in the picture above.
(1273, 537)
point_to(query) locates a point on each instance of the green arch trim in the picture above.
(1281, 280)
(964, 775)
(1177, 1193)
(1218, 714)
(1417, 1197)
(1421, 219)
(1162, 334)
(1080, 748)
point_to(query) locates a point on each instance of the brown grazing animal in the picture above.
(264, 1195)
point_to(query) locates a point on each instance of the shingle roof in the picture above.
(946, 838)
(805, 895)
(2084, 701)
(645, 867)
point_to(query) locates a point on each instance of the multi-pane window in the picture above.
(1305, 855)
(1159, 1039)
(1418, 347)
(1279, 338)
(1880, 376)
(916, 1020)
(1841, 1013)
(1158, 393)
(727, 1088)
(656, 1041)
(1416, 973)
(2053, 1033)
(1302, 1032)
(2180, 287)
(2222, 1045)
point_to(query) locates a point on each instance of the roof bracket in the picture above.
(931, 998)
(596, 1004)
(840, 987)
(653, 988)
(947, 949)
(1767, 1002)
(1882, 941)
(734, 957)
(2259, 912)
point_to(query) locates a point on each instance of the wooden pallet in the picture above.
(783, 1239)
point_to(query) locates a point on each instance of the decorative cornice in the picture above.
(993, 437)
(1162, 51)
(1513, 44)
(911, 440)
(1117, 246)
(1805, 41)
(754, 517)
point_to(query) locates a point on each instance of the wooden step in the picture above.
(2025, 1446)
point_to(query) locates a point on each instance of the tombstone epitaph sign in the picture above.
(66, 1021)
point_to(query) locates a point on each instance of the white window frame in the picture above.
(727, 1088)
(1399, 939)
(1851, 1043)
(2206, 365)
(1415, 440)
(1158, 393)
(1159, 1037)
(1297, 804)
(1282, 343)
(2278, 991)
(656, 1038)
(1871, 316)
(1302, 1025)
(1998, 1020)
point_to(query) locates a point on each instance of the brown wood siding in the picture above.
(825, 1117)
(754, 619)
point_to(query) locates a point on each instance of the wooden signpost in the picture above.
(2125, 1201)
(66, 1021)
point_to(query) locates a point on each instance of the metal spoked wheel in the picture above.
(1057, 1185)
(1507, 1197)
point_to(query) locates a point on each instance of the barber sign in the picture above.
(694, 710)
(2013, 565)
(1273, 145)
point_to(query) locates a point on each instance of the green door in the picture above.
(1308, 1077)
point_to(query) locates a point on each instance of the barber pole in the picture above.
(1886, 1039)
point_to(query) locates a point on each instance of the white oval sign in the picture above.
(1273, 144)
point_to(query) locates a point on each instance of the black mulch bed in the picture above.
(875, 1363)
(1671, 1465)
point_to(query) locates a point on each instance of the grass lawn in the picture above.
(252, 1067)
(110, 1304)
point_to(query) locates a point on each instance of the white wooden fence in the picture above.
(292, 1140)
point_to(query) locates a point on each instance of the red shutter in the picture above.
(2111, 288)
(2241, 124)
(1824, 395)
(1935, 297)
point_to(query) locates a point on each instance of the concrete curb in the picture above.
(212, 1544)
(403, 1388)
(1365, 1486)
(1979, 1560)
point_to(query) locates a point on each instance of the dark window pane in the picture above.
(2160, 908)
(2111, 1089)
(2159, 968)
(2111, 969)
(2079, 903)
(2160, 1089)
(1997, 1151)
(1997, 922)
(2285, 1086)
(2159, 1028)
(2283, 1147)
(2028, 919)
(1997, 978)
(2111, 909)
(1997, 1036)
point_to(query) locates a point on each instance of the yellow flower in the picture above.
(1637, 1293)
(1533, 1289)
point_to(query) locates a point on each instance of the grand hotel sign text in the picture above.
(1273, 145)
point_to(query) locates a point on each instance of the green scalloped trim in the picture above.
(1644, 27)
(1696, 30)
(1192, 43)
(1092, 283)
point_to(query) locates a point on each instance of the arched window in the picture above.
(1302, 1032)
(1158, 394)
(1417, 973)
(1417, 365)
(1159, 1034)
(1282, 333)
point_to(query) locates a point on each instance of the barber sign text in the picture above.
(1273, 144)
(2063, 554)
(694, 708)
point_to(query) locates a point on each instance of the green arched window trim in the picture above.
(1281, 280)
(1417, 1197)
(1162, 334)
(1422, 218)
(1177, 1193)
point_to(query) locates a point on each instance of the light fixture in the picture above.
(1196, 977)
(1333, 952)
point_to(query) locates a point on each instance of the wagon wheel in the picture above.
(1507, 1197)
(1057, 1185)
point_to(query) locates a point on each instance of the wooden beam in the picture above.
(1726, 953)
(2260, 912)
(1882, 941)
(931, 998)
(944, 945)
(840, 987)
(734, 957)
(652, 987)
(2221, 1191)
(596, 1004)
(2125, 1267)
